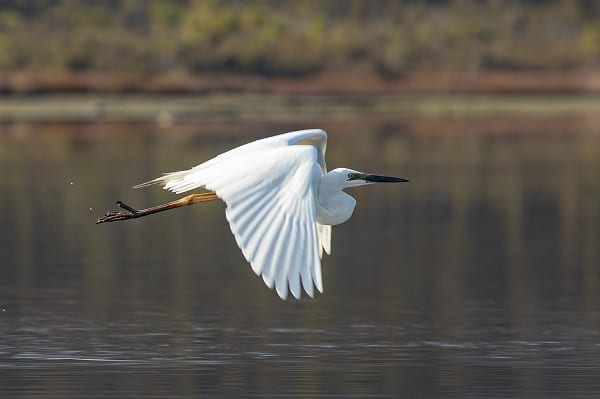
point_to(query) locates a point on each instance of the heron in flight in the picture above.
(281, 204)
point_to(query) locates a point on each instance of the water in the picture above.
(480, 278)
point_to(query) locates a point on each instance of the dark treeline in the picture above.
(269, 37)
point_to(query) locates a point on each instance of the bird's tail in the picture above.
(152, 182)
(177, 182)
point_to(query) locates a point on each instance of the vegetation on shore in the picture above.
(298, 38)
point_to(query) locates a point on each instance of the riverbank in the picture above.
(168, 109)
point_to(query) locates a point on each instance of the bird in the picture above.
(281, 203)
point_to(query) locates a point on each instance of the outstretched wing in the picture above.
(270, 189)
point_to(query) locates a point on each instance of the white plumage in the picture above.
(281, 203)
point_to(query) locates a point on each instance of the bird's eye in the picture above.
(352, 176)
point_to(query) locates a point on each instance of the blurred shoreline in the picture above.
(90, 97)
(168, 109)
(243, 113)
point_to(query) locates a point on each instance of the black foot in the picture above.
(130, 213)
(126, 207)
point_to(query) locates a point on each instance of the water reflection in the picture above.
(479, 278)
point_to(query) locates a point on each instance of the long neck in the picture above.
(334, 205)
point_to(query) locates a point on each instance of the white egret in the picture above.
(281, 204)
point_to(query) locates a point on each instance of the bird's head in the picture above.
(352, 178)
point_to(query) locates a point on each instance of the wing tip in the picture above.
(282, 292)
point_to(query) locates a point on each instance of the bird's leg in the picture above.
(132, 213)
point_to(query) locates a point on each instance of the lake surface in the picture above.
(480, 278)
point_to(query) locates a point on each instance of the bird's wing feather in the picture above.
(186, 180)
(270, 188)
(324, 233)
(271, 208)
(270, 192)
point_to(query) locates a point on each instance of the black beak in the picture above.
(384, 179)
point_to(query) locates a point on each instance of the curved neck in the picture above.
(334, 206)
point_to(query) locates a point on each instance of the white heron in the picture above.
(281, 203)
